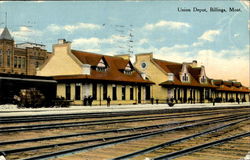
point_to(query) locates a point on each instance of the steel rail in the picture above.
(110, 131)
(81, 149)
(114, 114)
(68, 117)
(176, 141)
(6, 152)
(77, 124)
(199, 147)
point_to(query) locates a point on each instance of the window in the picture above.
(8, 58)
(128, 69)
(19, 62)
(68, 92)
(185, 77)
(15, 62)
(123, 92)
(101, 69)
(143, 65)
(203, 79)
(94, 91)
(23, 62)
(131, 93)
(105, 91)
(101, 66)
(114, 94)
(37, 64)
(1, 57)
(207, 94)
(127, 72)
(77, 91)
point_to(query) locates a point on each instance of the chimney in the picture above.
(194, 63)
(61, 41)
(86, 69)
(170, 77)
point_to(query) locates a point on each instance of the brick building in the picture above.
(21, 58)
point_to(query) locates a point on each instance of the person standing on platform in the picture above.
(85, 101)
(108, 101)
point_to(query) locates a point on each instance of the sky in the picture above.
(218, 40)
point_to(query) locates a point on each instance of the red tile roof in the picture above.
(233, 89)
(114, 72)
(175, 68)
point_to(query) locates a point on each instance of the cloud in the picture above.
(198, 43)
(95, 42)
(54, 28)
(222, 64)
(26, 34)
(86, 42)
(218, 67)
(93, 50)
(143, 41)
(72, 28)
(236, 35)
(167, 24)
(209, 35)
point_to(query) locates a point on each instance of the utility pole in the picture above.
(5, 19)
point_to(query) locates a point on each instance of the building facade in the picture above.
(187, 83)
(21, 58)
(82, 74)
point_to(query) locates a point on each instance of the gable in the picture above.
(62, 62)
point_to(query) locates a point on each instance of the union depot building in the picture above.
(82, 74)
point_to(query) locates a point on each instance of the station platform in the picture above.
(12, 110)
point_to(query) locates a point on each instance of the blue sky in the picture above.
(219, 41)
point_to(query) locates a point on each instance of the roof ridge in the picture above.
(166, 61)
(92, 53)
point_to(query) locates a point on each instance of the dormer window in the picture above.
(185, 77)
(101, 66)
(128, 69)
(203, 79)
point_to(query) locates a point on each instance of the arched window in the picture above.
(203, 79)
(185, 77)
(1, 57)
(37, 64)
(8, 58)
(101, 66)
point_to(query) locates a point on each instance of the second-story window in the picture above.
(203, 79)
(23, 62)
(101, 66)
(1, 57)
(185, 77)
(8, 58)
(19, 62)
(37, 64)
(128, 69)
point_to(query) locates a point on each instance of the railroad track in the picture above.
(186, 138)
(104, 122)
(200, 147)
(132, 137)
(49, 117)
